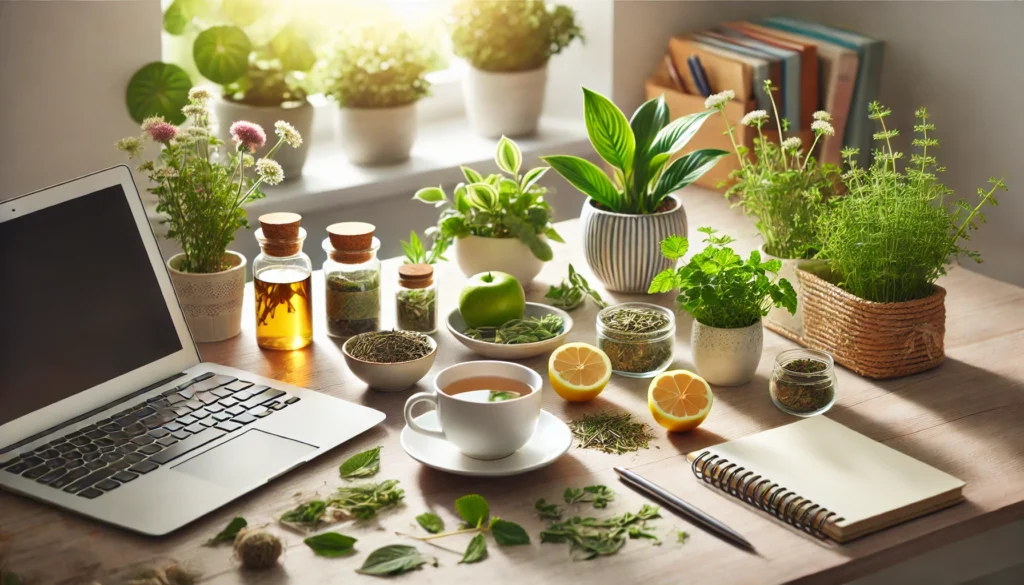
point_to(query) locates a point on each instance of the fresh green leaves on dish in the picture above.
(516, 331)
(330, 544)
(229, 533)
(394, 559)
(363, 464)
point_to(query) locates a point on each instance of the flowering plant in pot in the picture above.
(499, 222)
(626, 216)
(376, 71)
(727, 298)
(874, 304)
(785, 190)
(201, 194)
(507, 45)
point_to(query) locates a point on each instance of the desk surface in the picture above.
(963, 417)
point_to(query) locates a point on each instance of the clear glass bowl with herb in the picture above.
(639, 338)
(352, 278)
(803, 382)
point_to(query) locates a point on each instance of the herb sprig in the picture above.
(516, 331)
(476, 519)
(416, 252)
(594, 537)
(598, 495)
(573, 292)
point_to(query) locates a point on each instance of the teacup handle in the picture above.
(409, 420)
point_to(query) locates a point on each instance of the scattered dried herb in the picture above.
(363, 464)
(528, 330)
(363, 502)
(546, 510)
(572, 292)
(227, 535)
(501, 396)
(353, 302)
(394, 559)
(803, 385)
(416, 310)
(330, 544)
(611, 433)
(389, 347)
(599, 495)
(476, 551)
(636, 339)
(306, 514)
(682, 536)
(430, 522)
(642, 532)
(595, 537)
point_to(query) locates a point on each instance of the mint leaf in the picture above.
(546, 510)
(598, 495)
(229, 533)
(509, 533)
(430, 522)
(393, 559)
(473, 509)
(330, 544)
(362, 464)
(308, 513)
(476, 551)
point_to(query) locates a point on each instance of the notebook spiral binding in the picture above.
(762, 493)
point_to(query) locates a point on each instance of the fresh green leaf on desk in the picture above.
(599, 495)
(473, 509)
(476, 551)
(307, 514)
(330, 544)
(430, 522)
(363, 464)
(228, 534)
(596, 537)
(393, 559)
(508, 533)
(363, 502)
(528, 330)
(546, 510)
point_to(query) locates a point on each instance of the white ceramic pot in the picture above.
(504, 103)
(726, 357)
(624, 251)
(212, 303)
(476, 254)
(377, 136)
(299, 115)
(778, 316)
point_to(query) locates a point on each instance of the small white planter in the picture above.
(299, 115)
(726, 357)
(377, 136)
(779, 317)
(476, 254)
(212, 303)
(504, 103)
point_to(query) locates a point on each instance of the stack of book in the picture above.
(815, 67)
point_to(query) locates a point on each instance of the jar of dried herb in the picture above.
(416, 298)
(639, 338)
(803, 382)
(352, 278)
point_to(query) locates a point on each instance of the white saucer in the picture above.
(552, 439)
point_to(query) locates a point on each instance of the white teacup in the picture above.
(482, 430)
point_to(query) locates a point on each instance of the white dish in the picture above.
(390, 377)
(551, 440)
(520, 351)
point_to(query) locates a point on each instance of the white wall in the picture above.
(960, 59)
(64, 66)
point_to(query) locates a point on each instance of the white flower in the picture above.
(194, 110)
(199, 95)
(823, 127)
(288, 132)
(753, 118)
(270, 171)
(719, 99)
(823, 116)
(131, 146)
(197, 133)
(793, 143)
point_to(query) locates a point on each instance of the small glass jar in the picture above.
(639, 338)
(352, 279)
(416, 298)
(282, 281)
(803, 382)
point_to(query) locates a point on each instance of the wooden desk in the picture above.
(964, 418)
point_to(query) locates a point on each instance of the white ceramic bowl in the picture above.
(520, 351)
(391, 377)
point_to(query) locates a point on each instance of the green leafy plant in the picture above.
(546, 510)
(572, 292)
(718, 288)
(639, 151)
(417, 253)
(496, 206)
(200, 194)
(512, 35)
(363, 464)
(784, 189)
(891, 237)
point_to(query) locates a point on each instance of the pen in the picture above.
(682, 508)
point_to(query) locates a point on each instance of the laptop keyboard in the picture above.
(111, 452)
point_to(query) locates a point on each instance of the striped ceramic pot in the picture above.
(624, 251)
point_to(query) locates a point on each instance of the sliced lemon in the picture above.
(679, 400)
(579, 371)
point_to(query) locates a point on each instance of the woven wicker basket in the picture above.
(875, 340)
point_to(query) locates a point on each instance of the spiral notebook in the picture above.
(826, 479)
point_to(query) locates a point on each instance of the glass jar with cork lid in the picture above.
(282, 277)
(416, 298)
(352, 278)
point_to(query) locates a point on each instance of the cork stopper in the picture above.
(280, 234)
(415, 275)
(352, 241)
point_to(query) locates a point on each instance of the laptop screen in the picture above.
(79, 301)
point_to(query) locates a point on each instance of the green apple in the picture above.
(491, 299)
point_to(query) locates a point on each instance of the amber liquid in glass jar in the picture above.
(284, 308)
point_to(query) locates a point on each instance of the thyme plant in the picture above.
(891, 237)
(511, 35)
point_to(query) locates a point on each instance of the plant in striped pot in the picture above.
(626, 216)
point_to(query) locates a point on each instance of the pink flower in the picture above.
(248, 136)
(162, 132)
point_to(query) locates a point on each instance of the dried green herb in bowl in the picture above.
(639, 338)
(390, 360)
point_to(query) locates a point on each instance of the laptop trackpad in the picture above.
(250, 458)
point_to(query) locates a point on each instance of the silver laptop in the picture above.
(106, 408)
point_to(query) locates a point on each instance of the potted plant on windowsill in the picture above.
(624, 219)
(874, 305)
(785, 191)
(507, 45)
(376, 71)
(201, 195)
(727, 298)
(500, 223)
